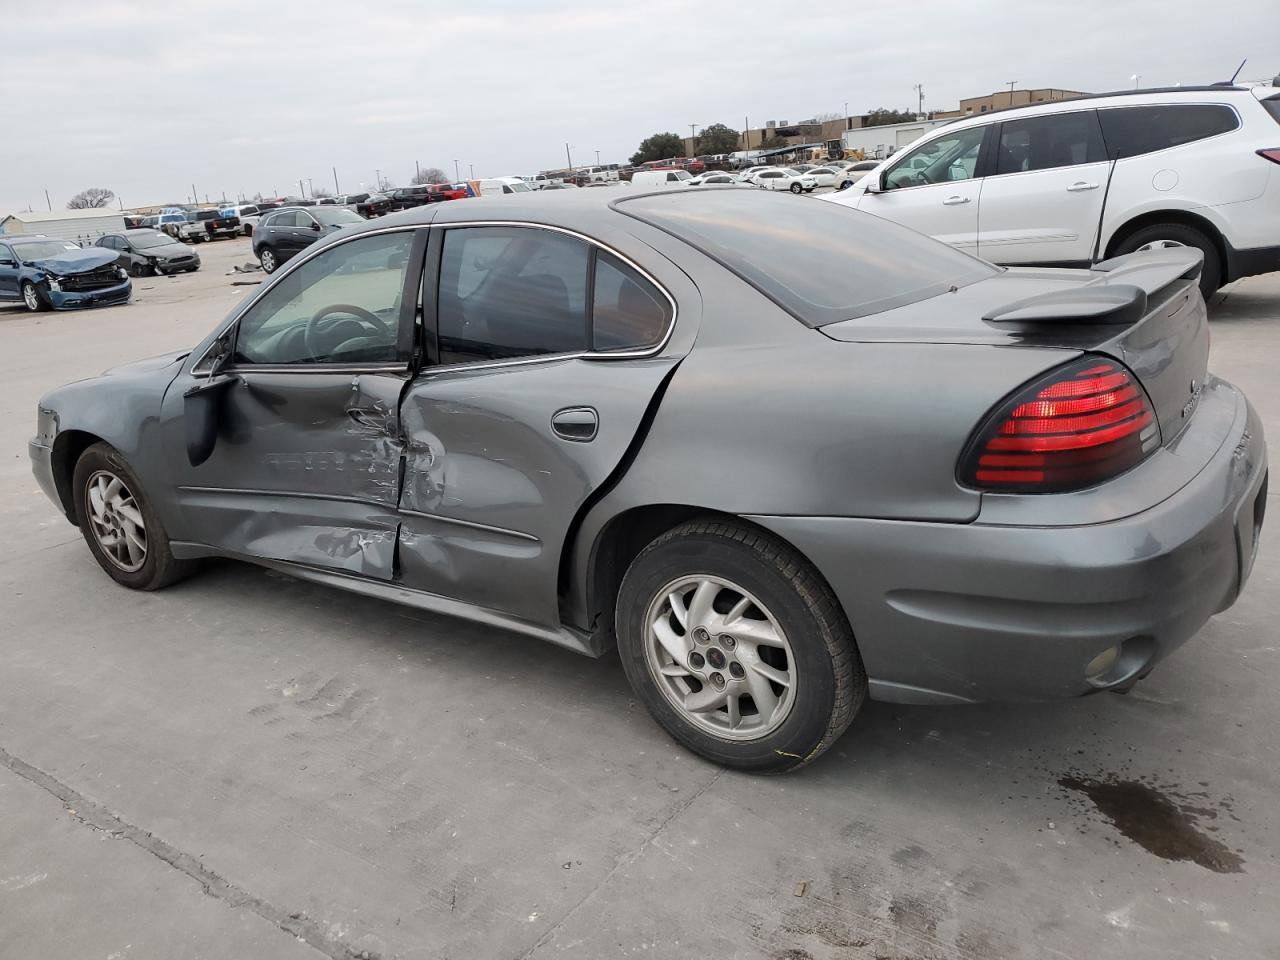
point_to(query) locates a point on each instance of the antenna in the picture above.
(1238, 69)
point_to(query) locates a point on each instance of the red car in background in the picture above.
(448, 191)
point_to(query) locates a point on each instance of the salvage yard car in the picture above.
(46, 272)
(956, 482)
(282, 233)
(1074, 181)
(145, 253)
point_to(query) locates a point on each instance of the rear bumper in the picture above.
(1250, 262)
(948, 613)
(68, 300)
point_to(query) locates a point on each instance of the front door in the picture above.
(306, 465)
(541, 378)
(1043, 200)
(934, 188)
(8, 274)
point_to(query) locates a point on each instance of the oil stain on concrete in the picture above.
(1161, 820)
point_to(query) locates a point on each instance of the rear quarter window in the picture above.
(1133, 131)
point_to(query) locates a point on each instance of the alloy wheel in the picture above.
(1160, 245)
(268, 259)
(720, 658)
(30, 297)
(116, 521)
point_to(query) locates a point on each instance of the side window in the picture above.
(946, 158)
(511, 292)
(248, 211)
(1131, 131)
(342, 306)
(627, 311)
(1043, 143)
(287, 219)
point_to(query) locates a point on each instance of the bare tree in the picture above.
(321, 192)
(91, 199)
(430, 175)
(828, 115)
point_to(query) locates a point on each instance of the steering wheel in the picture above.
(364, 319)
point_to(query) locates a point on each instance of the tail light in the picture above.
(1272, 155)
(1081, 424)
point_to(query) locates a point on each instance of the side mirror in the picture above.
(201, 411)
(7, 263)
(876, 184)
(315, 226)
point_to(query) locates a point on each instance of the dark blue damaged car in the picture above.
(50, 273)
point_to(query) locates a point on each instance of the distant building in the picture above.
(876, 143)
(1006, 98)
(79, 225)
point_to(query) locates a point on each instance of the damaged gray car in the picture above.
(783, 455)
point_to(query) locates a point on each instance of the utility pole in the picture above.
(377, 175)
(919, 89)
(567, 156)
(195, 197)
(47, 201)
(746, 133)
(1011, 83)
(301, 191)
(472, 168)
(417, 170)
(311, 186)
(693, 139)
(1136, 78)
(336, 188)
(597, 158)
(456, 174)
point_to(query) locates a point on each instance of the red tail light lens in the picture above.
(1082, 424)
(1272, 155)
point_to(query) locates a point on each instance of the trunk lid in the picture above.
(1143, 309)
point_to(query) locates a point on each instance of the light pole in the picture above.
(417, 170)
(1136, 78)
(301, 190)
(456, 174)
(693, 139)
(472, 167)
(568, 157)
(311, 186)
(377, 176)
(597, 158)
(919, 89)
(1011, 83)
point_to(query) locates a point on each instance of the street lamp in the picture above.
(456, 174)
(597, 158)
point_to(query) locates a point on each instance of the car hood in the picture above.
(76, 261)
(146, 365)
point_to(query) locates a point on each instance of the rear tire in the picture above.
(1181, 235)
(766, 616)
(267, 257)
(115, 519)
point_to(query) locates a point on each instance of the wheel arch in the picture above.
(1171, 215)
(67, 449)
(591, 571)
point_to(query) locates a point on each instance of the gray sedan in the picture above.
(781, 454)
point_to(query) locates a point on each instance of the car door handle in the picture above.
(579, 424)
(953, 201)
(1081, 185)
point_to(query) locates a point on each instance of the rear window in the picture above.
(1133, 131)
(822, 262)
(1272, 106)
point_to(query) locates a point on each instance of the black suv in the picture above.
(402, 198)
(284, 232)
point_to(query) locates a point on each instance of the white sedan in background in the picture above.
(827, 176)
(714, 177)
(784, 178)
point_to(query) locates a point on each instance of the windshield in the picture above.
(520, 187)
(40, 249)
(143, 241)
(334, 218)
(821, 262)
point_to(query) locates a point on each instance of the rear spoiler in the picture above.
(1118, 295)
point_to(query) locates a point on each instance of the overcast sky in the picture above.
(150, 97)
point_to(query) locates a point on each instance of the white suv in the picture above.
(1077, 181)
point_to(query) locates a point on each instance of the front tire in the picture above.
(1160, 235)
(122, 530)
(32, 299)
(797, 189)
(737, 647)
(267, 257)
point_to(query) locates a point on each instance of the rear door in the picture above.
(545, 357)
(1042, 198)
(935, 187)
(8, 273)
(306, 465)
